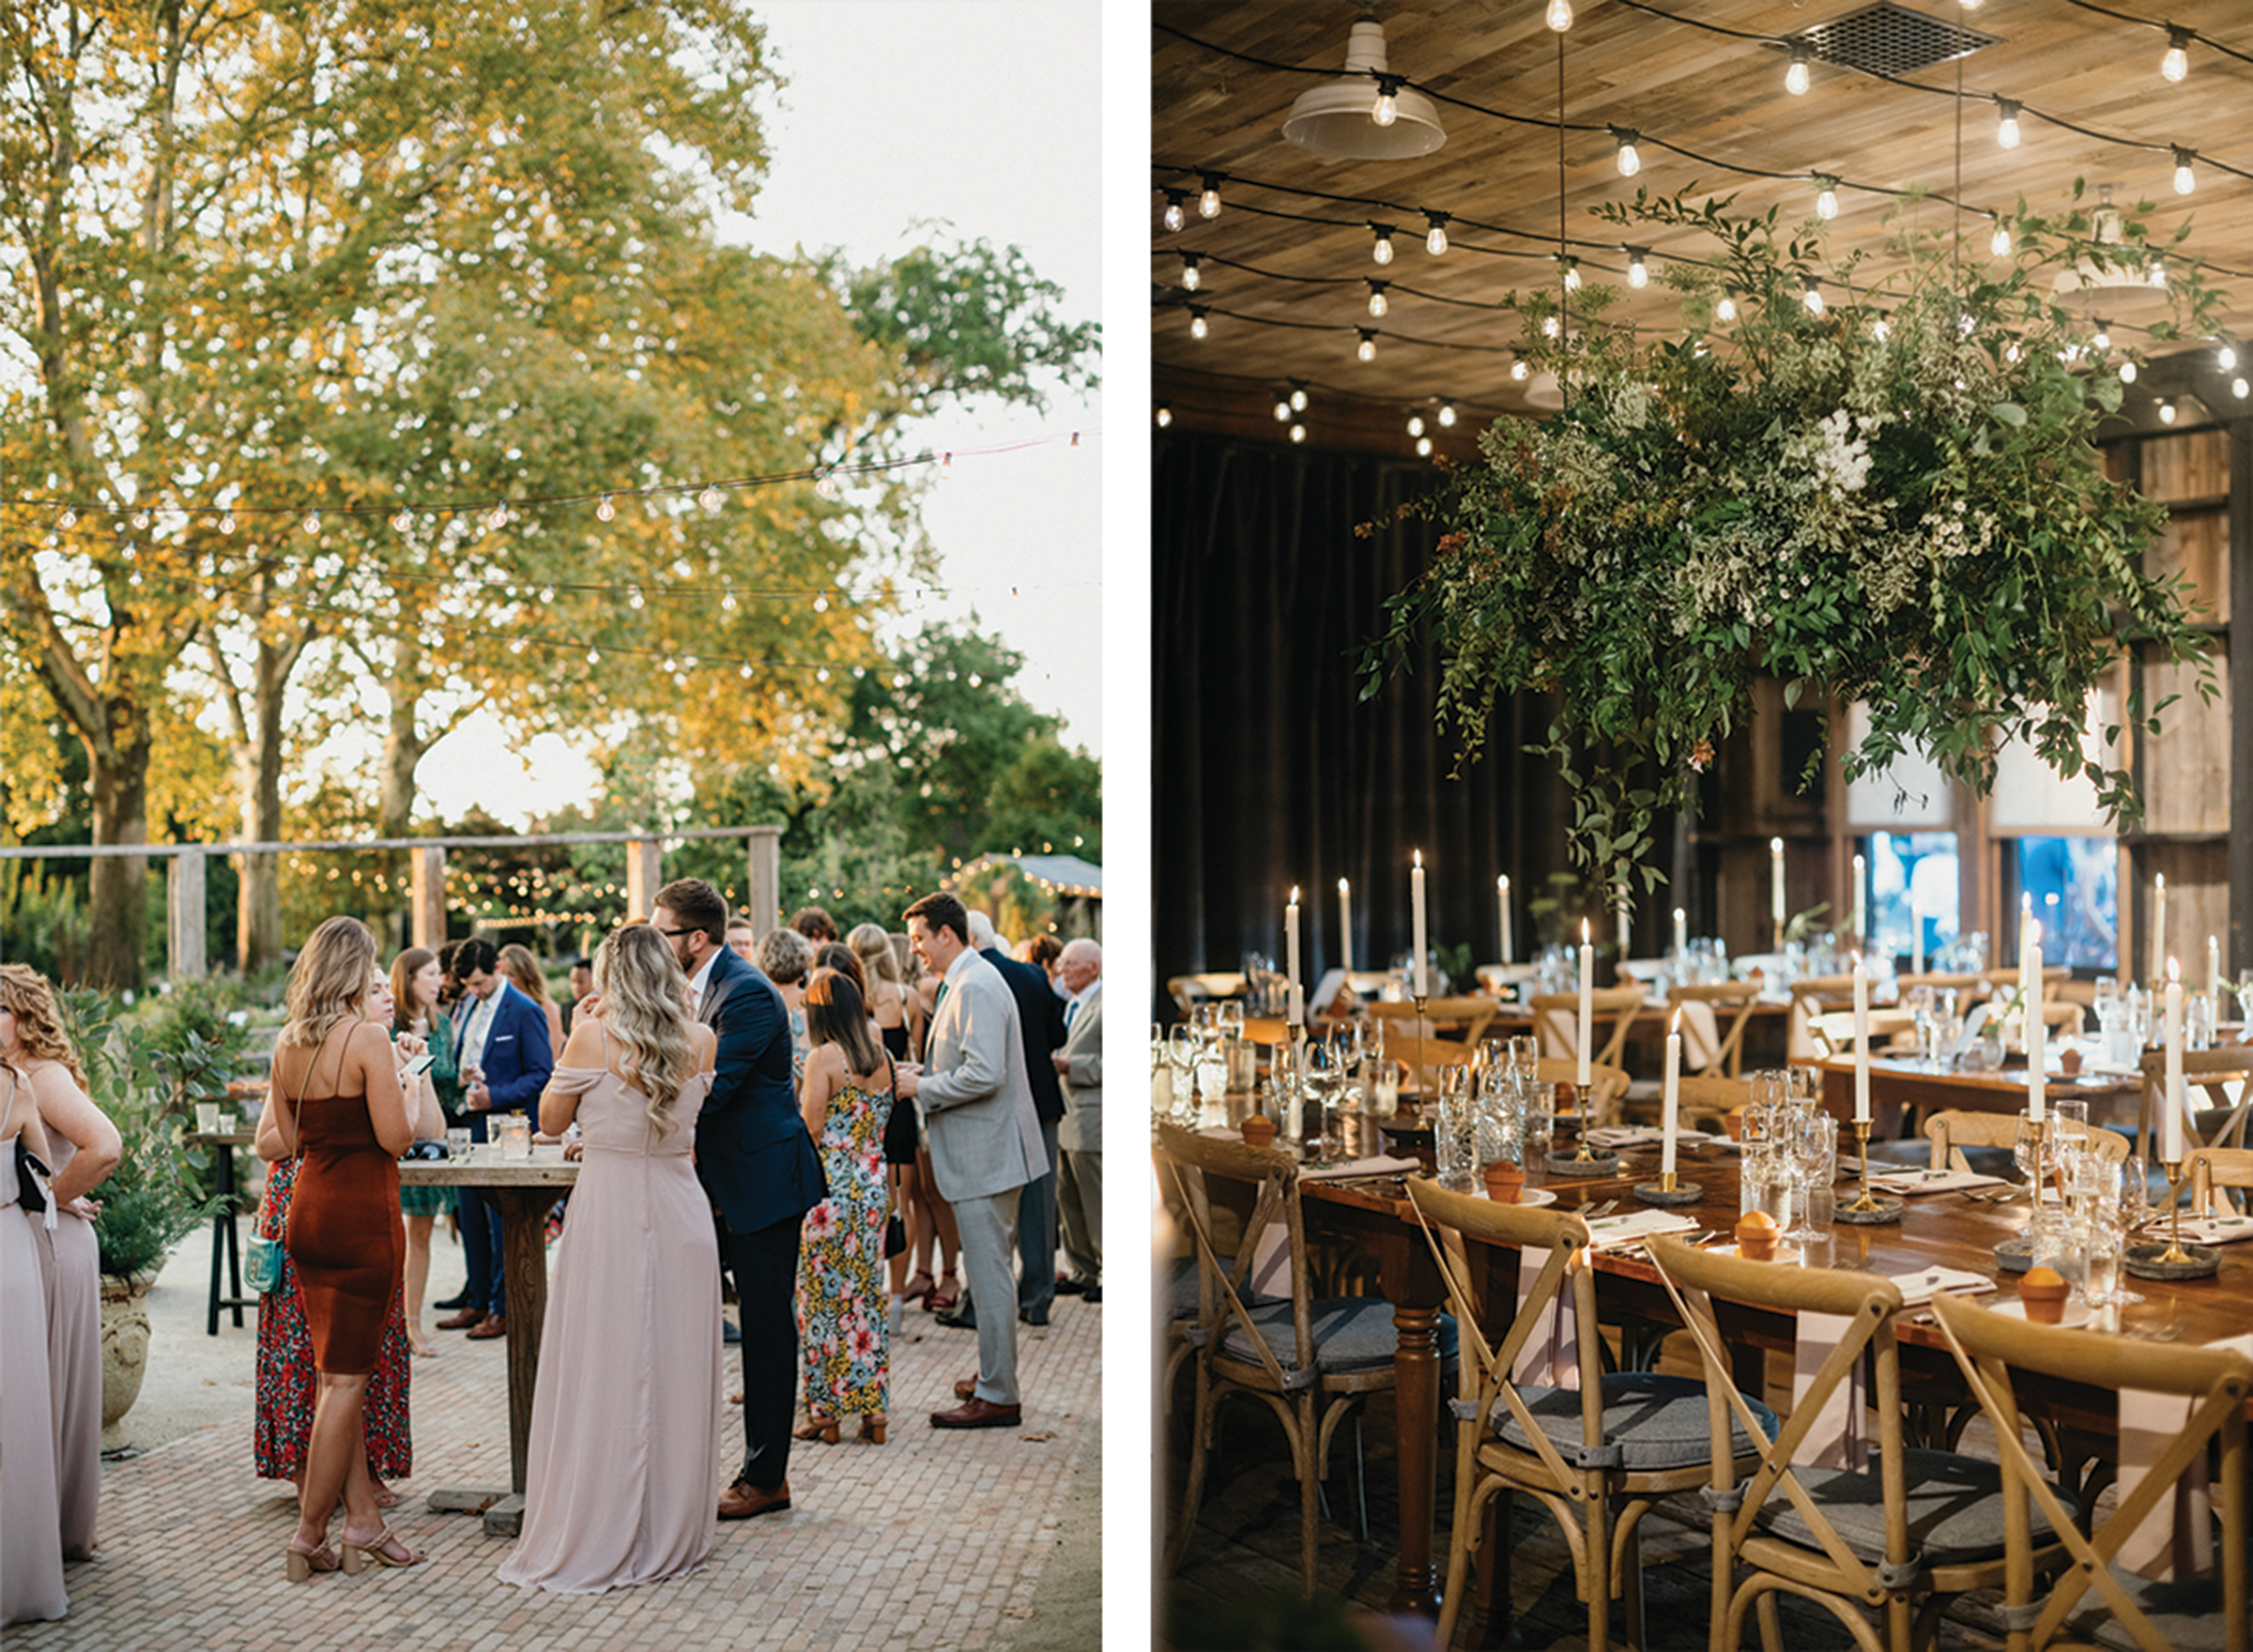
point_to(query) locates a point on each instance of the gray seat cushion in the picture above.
(1351, 1333)
(1954, 1509)
(1179, 1292)
(2187, 1615)
(1657, 1422)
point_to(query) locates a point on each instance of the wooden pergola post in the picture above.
(645, 874)
(185, 916)
(763, 877)
(427, 896)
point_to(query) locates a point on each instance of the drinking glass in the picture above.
(2244, 995)
(1181, 1061)
(1522, 1056)
(1231, 1018)
(2057, 1246)
(2199, 1016)
(458, 1144)
(1454, 1134)
(1811, 1148)
(515, 1135)
(2103, 1238)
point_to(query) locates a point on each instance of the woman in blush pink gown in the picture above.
(621, 1480)
(31, 1538)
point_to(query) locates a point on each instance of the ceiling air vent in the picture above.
(1889, 39)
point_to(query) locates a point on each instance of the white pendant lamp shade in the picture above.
(1333, 118)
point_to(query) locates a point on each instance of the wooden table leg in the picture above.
(1413, 1284)
(523, 1283)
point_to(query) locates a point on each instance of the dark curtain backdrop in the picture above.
(1270, 768)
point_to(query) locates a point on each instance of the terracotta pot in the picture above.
(1756, 1240)
(124, 1350)
(1259, 1130)
(2069, 1062)
(1733, 1121)
(1505, 1181)
(2045, 1297)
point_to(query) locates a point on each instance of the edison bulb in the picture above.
(1630, 162)
(2103, 337)
(1423, 447)
(2000, 243)
(1282, 409)
(1298, 432)
(1175, 218)
(606, 511)
(1639, 273)
(1378, 303)
(1208, 202)
(1416, 424)
(1298, 398)
(1190, 277)
(1813, 299)
(1826, 204)
(1436, 238)
(1795, 77)
(2185, 180)
(2167, 412)
(1198, 328)
(1165, 416)
(1725, 310)
(1447, 415)
(2127, 372)
(2225, 357)
(2238, 388)
(1571, 276)
(1385, 110)
(1518, 372)
(1382, 249)
(2176, 63)
(1367, 349)
(2006, 130)
(1560, 15)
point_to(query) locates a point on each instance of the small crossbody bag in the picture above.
(262, 1267)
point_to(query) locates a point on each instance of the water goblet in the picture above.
(2103, 1238)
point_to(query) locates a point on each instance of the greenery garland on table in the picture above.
(1893, 501)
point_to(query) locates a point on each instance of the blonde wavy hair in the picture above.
(872, 944)
(39, 1019)
(646, 1010)
(333, 977)
(523, 970)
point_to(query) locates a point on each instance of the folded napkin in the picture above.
(1551, 1355)
(2221, 1229)
(1614, 1137)
(1836, 1439)
(2175, 1543)
(1637, 1225)
(1924, 1287)
(1931, 1181)
(1379, 1166)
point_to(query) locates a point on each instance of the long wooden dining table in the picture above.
(1903, 1084)
(1941, 1228)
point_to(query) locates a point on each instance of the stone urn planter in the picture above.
(124, 1350)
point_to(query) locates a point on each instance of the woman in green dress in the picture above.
(415, 980)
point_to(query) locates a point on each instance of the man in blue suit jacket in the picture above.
(501, 1033)
(759, 1166)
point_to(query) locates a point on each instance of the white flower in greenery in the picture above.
(1843, 462)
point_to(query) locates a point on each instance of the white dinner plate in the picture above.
(2076, 1313)
(1535, 1197)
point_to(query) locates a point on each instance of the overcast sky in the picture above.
(898, 115)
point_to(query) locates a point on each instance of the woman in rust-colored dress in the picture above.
(336, 1105)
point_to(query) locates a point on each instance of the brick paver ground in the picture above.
(934, 1540)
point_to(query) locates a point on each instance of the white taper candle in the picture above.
(1670, 1106)
(1587, 986)
(1416, 900)
(1861, 1043)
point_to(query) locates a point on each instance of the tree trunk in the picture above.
(403, 749)
(118, 893)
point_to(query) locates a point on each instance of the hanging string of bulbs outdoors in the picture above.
(710, 492)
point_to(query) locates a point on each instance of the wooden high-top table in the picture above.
(1943, 1229)
(522, 1190)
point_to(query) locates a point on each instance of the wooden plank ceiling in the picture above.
(1283, 271)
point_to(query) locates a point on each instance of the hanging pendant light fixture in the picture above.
(1339, 119)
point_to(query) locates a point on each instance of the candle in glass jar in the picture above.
(1861, 1043)
(2037, 1046)
(1291, 942)
(1502, 901)
(1587, 986)
(1346, 926)
(1415, 903)
(2170, 1136)
(1775, 878)
(1670, 1106)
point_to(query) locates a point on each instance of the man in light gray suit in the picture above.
(1079, 1064)
(985, 1140)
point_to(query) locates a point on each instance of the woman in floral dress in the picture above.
(846, 1099)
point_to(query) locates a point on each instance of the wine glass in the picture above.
(1809, 1141)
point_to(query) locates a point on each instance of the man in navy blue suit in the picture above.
(502, 1036)
(758, 1164)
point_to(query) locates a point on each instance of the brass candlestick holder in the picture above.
(1420, 1000)
(1587, 1162)
(2174, 1260)
(1869, 1209)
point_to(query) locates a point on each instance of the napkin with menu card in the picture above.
(1612, 1138)
(1922, 1287)
(2216, 1229)
(1379, 1166)
(2176, 1541)
(1898, 1181)
(1635, 1226)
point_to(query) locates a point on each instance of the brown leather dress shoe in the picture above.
(742, 1500)
(462, 1321)
(494, 1326)
(967, 1388)
(979, 1414)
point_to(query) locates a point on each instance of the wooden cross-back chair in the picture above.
(1961, 1127)
(2221, 1123)
(1465, 1018)
(1705, 1101)
(1190, 990)
(1714, 1049)
(1556, 1021)
(1312, 1361)
(1596, 1455)
(1607, 1085)
(1813, 996)
(2209, 1168)
(1881, 1550)
(1832, 1034)
(2093, 1601)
